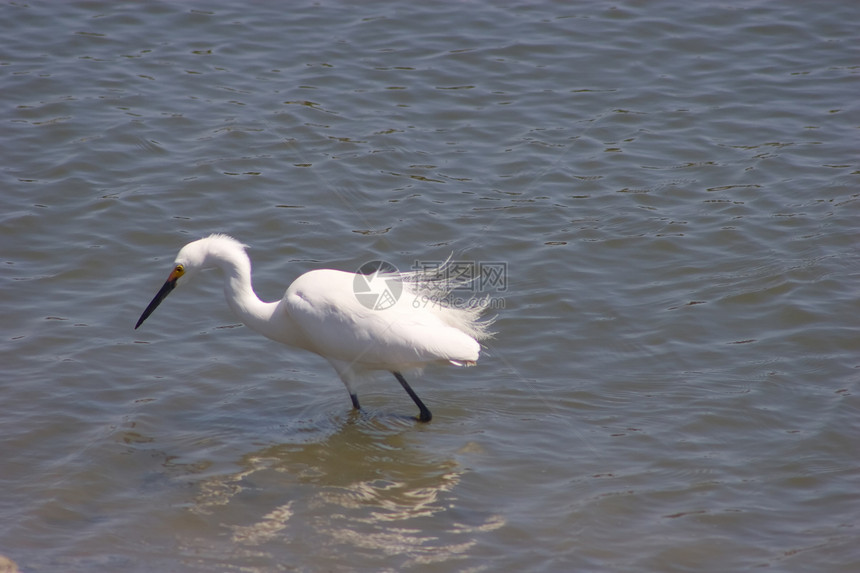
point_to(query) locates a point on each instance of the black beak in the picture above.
(168, 286)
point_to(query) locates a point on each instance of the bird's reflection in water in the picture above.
(363, 492)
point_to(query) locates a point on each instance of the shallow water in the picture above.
(670, 190)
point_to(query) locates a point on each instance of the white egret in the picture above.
(321, 312)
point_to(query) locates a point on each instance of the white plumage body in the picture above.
(321, 313)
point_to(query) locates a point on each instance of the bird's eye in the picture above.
(180, 269)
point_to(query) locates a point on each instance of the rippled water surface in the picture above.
(671, 190)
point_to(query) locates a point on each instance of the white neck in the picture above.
(246, 305)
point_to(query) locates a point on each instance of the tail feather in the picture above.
(436, 285)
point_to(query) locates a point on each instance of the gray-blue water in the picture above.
(670, 187)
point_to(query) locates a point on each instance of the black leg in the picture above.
(424, 414)
(355, 401)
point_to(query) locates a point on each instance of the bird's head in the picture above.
(191, 258)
